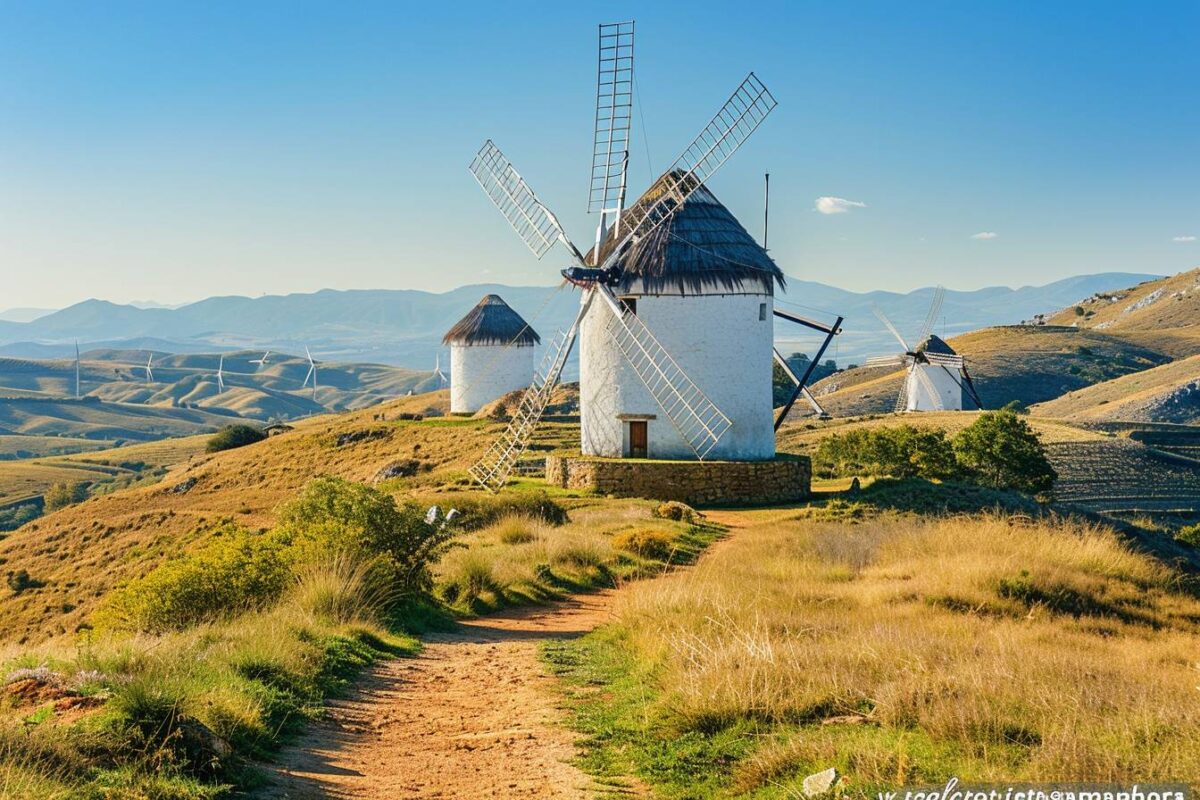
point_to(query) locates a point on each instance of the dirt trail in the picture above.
(473, 716)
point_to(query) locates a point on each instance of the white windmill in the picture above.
(149, 368)
(221, 374)
(491, 354)
(312, 372)
(935, 377)
(261, 362)
(676, 316)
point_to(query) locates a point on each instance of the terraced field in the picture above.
(1121, 477)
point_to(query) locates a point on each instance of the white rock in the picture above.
(820, 782)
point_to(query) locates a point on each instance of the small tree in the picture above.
(1001, 450)
(232, 436)
(64, 494)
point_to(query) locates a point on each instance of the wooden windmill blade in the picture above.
(884, 361)
(741, 115)
(537, 226)
(935, 308)
(614, 118)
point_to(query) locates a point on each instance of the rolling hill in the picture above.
(1026, 363)
(1168, 393)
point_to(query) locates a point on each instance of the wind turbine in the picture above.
(149, 370)
(77, 395)
(220, 374)
(312, 372)
(437, 372)
(261, 361)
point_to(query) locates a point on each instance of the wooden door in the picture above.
(637, 439)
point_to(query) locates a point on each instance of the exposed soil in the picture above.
(473, 716)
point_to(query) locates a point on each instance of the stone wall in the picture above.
(785, 480)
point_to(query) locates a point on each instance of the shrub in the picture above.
(680, 512)
(479, 512)
(646, 542)
(516, 529)
(1001, 450)
(21, 581)
(1189, 535)
(333, 515)
(235, 572)
(65, 494)
(338, 591)
(904, 451)
(232, 436)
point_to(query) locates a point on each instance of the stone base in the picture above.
(785, 480)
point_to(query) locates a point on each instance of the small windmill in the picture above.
(149, 368)
(699, 423)
(312, 372)
(221, 374)
(261, 362)
(935, 377)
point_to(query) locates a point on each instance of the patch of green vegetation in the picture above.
(15, 516)
(918, 496)
(65, 494)
(232, 436)
(625, 735)
(1189, 535)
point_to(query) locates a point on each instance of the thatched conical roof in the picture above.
(700, 248)
(492, 321)
(935, 344)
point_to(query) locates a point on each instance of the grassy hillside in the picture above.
(30, 478)
(83, 551)
(273, 390)
(93, 419)
(1169, 393)
(1026, 363)
(1167, 303)
(901, 652)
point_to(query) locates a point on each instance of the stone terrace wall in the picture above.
(784, 480)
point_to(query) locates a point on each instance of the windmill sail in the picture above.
(741, 115)
(614, 117)
(534, 223)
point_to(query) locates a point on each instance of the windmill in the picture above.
(312, 372)
(221, 374)
(149, 368)
(260, 362)
(935, 377)
(624, 362)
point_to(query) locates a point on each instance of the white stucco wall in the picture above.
(941, 392)
(719, 341)
(481, 373)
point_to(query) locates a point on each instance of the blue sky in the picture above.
(171, 151)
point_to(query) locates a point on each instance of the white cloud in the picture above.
(1184, 239)
(984, 235)
(837, 205)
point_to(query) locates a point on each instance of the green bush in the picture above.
(903, 451)
(235, 572)
(480, 511)
(646, 542)
(15, 517)
(1189, 535)
(1000, 450)
(333, 515)
(232, 436)
(679, 512)
(61, 495)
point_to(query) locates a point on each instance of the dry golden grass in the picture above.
(83, 551)
(1168, 303)
(973, 647)
(1128, 398)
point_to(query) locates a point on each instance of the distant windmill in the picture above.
(77, 394)
(312, 372)
(261, 361)
(443, 382)
(936, 378)
(149, 370)
(220, 374)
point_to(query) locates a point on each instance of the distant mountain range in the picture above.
(405, 327)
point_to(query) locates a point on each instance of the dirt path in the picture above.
(473, 716)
